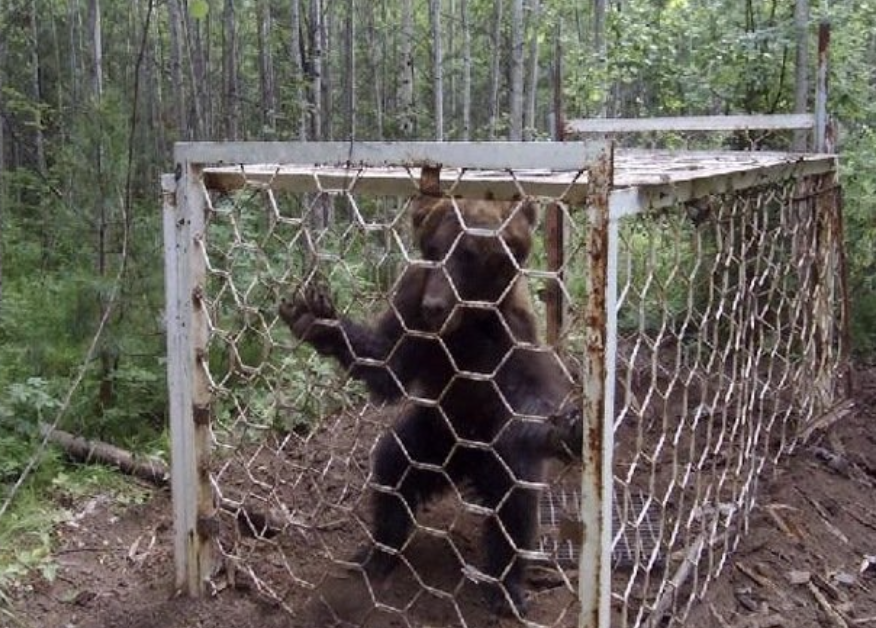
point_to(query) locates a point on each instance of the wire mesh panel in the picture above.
(384, 418)
(374, 433)
(729, 343)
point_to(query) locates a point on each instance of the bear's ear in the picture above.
(528, 210)
(421, 206)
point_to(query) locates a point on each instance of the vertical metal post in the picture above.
(822, 142)
(598, 399)
(189, 395)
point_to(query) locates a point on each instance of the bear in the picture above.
(485, 404)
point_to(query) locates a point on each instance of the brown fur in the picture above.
(472, 368)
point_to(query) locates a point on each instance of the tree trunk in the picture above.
(378, 60)
(495, 67)
(801, 75)
(516, 129)
(95, 451)
(327, 75)
(466, 70)
(558, 131)
(39, 138)
(230, 79)
(108, 358)
(437, 68)
(350, 63)
(599, 54)
(199, 56)
(176, 69)
(2, 161)
(450, 53)
(266, 71)
(73, 52)
(406, 95)
(315, 67)
(532, 100)
(297, 54)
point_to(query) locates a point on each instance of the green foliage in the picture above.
(199, 9)
(70, 197)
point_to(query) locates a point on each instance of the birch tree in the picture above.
(175, 20)
(350, 63)
(495, 66)
(230, 78)
(801, 74)
(266, 70)
(378, 61)
(599, 52)
(406, 90)
(466, 69)
(295, 53)
(532, 93)
(2, 160)
(437, 67)
(315, 68)
(516, 105)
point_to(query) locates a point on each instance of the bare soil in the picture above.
(807, 560)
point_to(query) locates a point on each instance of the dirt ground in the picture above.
(807, 560)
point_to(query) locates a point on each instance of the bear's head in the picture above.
(474, 251)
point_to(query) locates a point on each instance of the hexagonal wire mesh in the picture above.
(727, 339)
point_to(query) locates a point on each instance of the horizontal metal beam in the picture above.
(568, 186)
(684, 190)
(776, 122)
(479, 155)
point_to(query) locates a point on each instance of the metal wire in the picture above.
(729, 342)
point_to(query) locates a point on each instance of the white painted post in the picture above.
(189, 407)
(598, 399)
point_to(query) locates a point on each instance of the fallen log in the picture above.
(89, 451)
(252, 522)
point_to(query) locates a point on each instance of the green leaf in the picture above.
(199, 9)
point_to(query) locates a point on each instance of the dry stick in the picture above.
(691, 558)
(835, 618)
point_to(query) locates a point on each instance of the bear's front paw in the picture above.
(307, 306)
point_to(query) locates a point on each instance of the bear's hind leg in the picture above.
(401, 487)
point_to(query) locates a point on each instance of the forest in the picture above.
(94, 94)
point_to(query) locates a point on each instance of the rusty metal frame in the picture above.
(185, 204)
(600, 318)
(185, 207)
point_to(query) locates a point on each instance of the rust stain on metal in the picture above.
(201, 414)
(596, 316)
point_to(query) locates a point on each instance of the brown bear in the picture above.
(486, 405)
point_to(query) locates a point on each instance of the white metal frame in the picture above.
(184, 208)
(187, 330)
